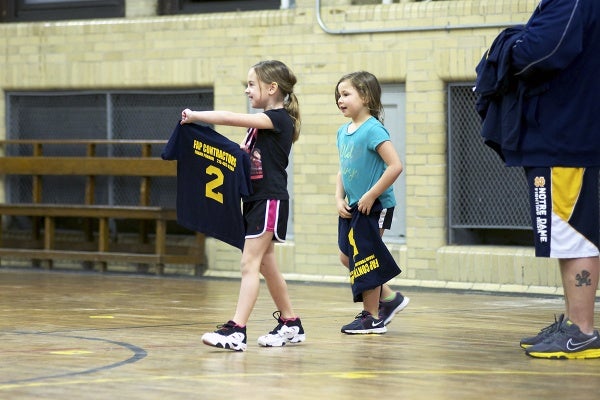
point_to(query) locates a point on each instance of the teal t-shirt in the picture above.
(360, 164)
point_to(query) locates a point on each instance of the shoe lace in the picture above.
(281, 322)
(363, 314)
(560, 333)
(277, 315)
(553, 327)
(226, 326)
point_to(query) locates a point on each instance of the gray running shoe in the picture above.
(543, 334)
(568, 342)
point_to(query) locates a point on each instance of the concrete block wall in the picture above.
(424, 45)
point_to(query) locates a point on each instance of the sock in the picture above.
(238, 325)
(390, 297)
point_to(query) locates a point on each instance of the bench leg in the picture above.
(49, 239)
(161, 244)
(103, 240)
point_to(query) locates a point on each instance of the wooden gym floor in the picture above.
(92, 336)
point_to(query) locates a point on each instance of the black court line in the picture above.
(104, 329)
(138, 354)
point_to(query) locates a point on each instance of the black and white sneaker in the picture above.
(286, 331)
(228, 336)
(364, 323)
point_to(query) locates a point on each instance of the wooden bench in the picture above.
(93, 245)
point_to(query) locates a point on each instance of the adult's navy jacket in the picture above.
(213, 174)
(559, 53)
(499, 99)
(371, 263)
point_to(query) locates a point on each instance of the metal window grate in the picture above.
(483, 193)
(97, 115)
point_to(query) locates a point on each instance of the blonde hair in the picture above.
(276, 71)
(367, 86)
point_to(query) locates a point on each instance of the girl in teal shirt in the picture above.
(369, 165)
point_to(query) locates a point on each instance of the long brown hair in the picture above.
(276, 71)
(367, 86)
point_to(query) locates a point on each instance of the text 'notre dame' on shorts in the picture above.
(262, 216)
(564, 211)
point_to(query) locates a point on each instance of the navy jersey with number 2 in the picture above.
(213, 174)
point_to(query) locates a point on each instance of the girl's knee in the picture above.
(249, 267)
(344, 260)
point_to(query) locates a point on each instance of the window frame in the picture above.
(114, 120)
(169, 7)
(393, 99)
(54, 10)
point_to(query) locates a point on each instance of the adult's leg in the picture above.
(252, 256)
(580, 282)
(575, 199)
(276, 283)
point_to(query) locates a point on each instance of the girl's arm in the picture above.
(341, 204)
(394, 168)
(258, 120)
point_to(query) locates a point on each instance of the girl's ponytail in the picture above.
(292, 106)
(276, 71)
